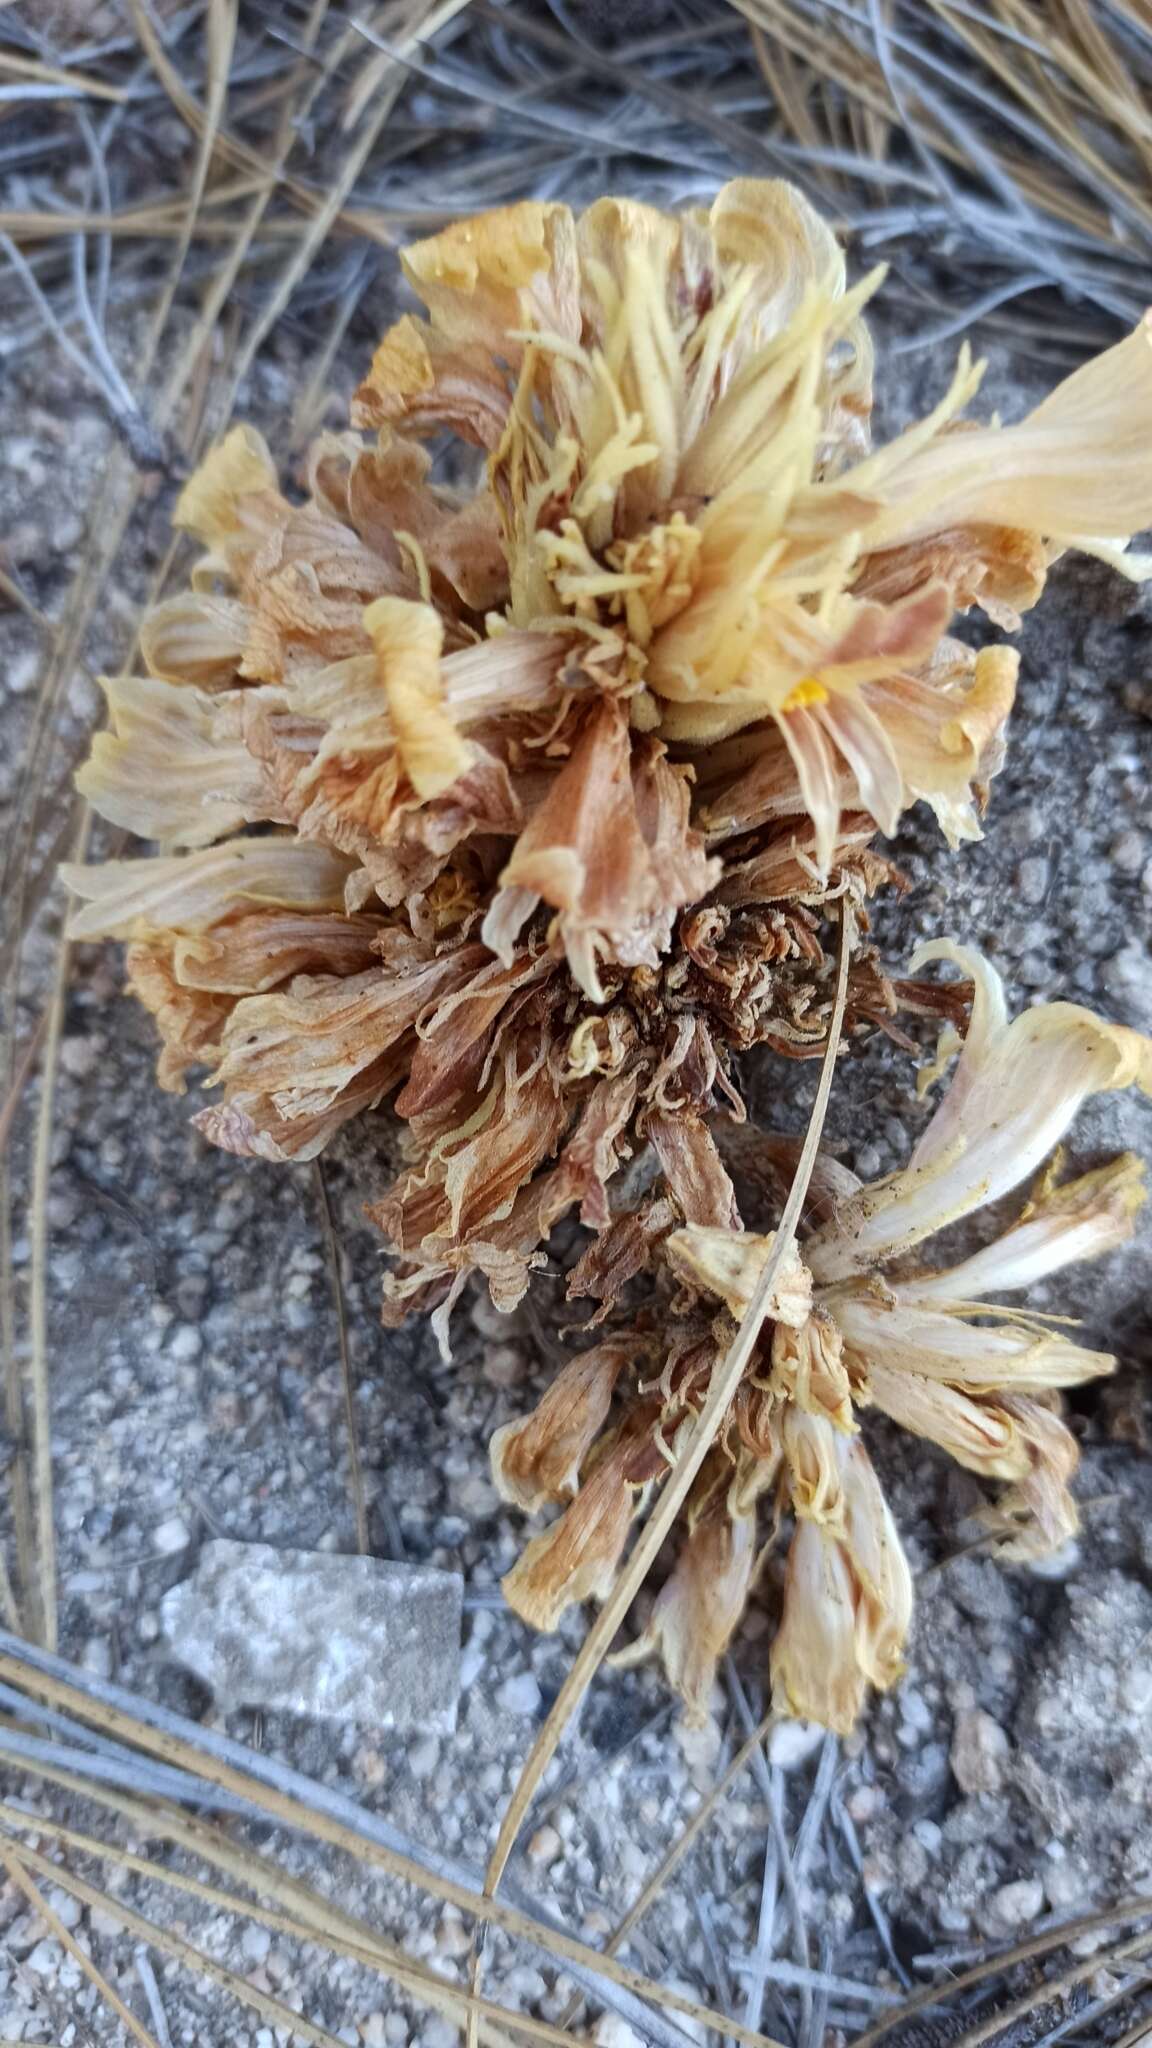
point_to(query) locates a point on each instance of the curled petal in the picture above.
(980, 1434)
(1014, 1092)
(196, 638)
(302, 1046)
(407, 639)
(236, 468)
(249, 954)
(169, 768)
(728, 1264)
(189, 1021)
(948, 741)
(1062, 1222)
(812, 1460)
(693, 1169)
(902, 1330)
(698, 1608)
(538, 1459)
(251, 1126)
(610, 849)
(1038, 1515)
(577, 1557)
(193, 891)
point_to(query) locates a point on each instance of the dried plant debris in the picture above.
(532, 800)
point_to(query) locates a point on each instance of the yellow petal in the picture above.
(1015, 1090)
(191, 892)
(408, 640)
(537, 1459)
(236, 468)
(172, 767)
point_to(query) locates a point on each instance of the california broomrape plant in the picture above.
(560, 777)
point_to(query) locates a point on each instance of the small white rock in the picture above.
(171, 1536)
(1014, 1905)
(792, 1742)
(519, 1695)
(611, 2031)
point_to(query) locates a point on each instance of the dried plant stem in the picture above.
(690, 1835)
(40, 1405)
(258, 1781)
(302, 1914)
(1054, 1989)
(690, 1456)
(16, 1863)
(193, 1959)
(993, 1966)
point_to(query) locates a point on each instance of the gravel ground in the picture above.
(197, 1392)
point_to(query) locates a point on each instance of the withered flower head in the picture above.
(558, 770)
(858, 1324)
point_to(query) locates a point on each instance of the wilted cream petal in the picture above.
(169, 769)
(408, 640)
(1077, 465)
(1015, 1090)
(728, 1264)
(910, 1329)
(538, 1459)
(192, 891)
(879, 1566)
(196, 638)
(847, 1597)
(979, 1433)
(236, 468)
(699, 1607)
(1062, 1222)
(816, 1673)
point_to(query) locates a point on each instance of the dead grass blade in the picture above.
(300, 1914)
(1136, 1908)
(298, 1803)
(690, 1456)
(18, 1863)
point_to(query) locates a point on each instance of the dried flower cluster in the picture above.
(558, 778)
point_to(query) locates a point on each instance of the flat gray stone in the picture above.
(350, 1639)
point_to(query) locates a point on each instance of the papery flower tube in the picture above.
(852, 1327)
(528, 800)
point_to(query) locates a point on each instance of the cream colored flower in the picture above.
(851, 1327)
(528, 800)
